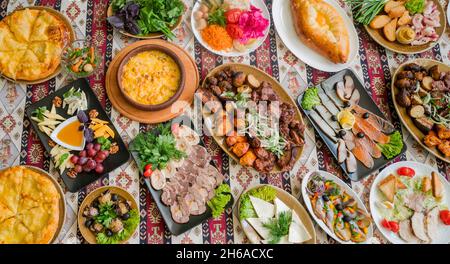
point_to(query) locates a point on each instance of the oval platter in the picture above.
(378, 36)
(291, 202)
(153, 35)
(284, 23)
(347, 189)
(72, 38)
(85, 232)
(262, 76)
(402, 111)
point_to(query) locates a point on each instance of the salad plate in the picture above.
(404, 204)
(284, 24)
(362, 216)
(256, 9)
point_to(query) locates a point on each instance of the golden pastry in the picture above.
(31, 42)
(29, 207)
(322, 28)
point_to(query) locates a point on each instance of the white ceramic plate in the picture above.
(376, 196)
(282, 16)
(347, 189)
(257, 3)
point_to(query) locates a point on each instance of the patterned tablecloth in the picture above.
(19, 144)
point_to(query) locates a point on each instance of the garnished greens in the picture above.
(39, 113)
(217, 17)
(365, 10)
(279, 227)
(310, 98)
(246, 209)
(221, 198)
(394, 147)
(129, 226)
(106, 143)
(240, 98)
(157, 147)
(415, 6)
(72, 92)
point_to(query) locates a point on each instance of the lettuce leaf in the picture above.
(246, 209)
(221, 198)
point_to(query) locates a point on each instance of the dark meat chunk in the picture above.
(297, 139)
(284, 130)
(405, 74)
(447, 79)
(255, 96)
(424, 124)
(238, 78)
(261, 153)
(263, 165)
(435, 72)
(221, 76)
(440, 86)
(405, 83)
(287, 113)
(225, 86)
(297, 126)
(413, 67)
(267, 93)
(210, 101)
(254, 142)
(217, 90)
(212, 81)
(283, 161)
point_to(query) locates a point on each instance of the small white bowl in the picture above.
(55, 132)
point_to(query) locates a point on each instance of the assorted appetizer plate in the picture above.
(356, 132)
(336, 208)
(108, 215)
(284, 24)
(430, 22)
(185, 184)
(243, 49)
(263, 208)
(48, 115)
(253, 86)
(406, 201)
(415, 99)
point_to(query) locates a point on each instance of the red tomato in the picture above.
(394, 226)
(232, 16)
(148, 167)
(445, 216)
(234, 31)
(385, 223)
(405, 171)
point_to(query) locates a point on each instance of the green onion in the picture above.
(365, 10)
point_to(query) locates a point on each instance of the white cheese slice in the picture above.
(257, 224)
(283, 240)
(280, 207)
(262, 208)
(297, 231)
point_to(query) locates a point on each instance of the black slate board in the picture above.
(366, 102)
(194, 220)
(111, 163)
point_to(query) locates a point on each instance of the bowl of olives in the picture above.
(108, 215)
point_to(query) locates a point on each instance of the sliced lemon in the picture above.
(346, 119)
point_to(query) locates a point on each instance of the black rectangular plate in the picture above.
(111, 163)
(194, 220)
(366, 102)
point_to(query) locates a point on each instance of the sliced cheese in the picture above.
(262, 208)
(257, 224)
(280, 206)
(297, 231)
(283, 240)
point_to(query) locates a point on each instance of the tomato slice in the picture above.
(232, 16)
(148, 173)
(147, 167)
(386, 224)
(445, 216)
(406, 171)
(394, 226)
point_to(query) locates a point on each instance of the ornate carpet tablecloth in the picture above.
(19, 144)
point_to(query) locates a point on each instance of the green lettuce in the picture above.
(394, 147)
(246, 209)
(129, 226)
(221, 198)
(310, 98)
(415, 6)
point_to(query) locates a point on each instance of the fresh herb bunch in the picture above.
(129, 226)
(279, 227)
(39, 113)
(365, 10)
(157, 147)
(106, 214)
(141, 17)
(217, 17)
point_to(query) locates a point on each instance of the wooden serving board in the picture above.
(153, 35)
(261, 76)
(152, 117)
(378, 36)
(407, 121)
(291, 202)
(72, 38)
